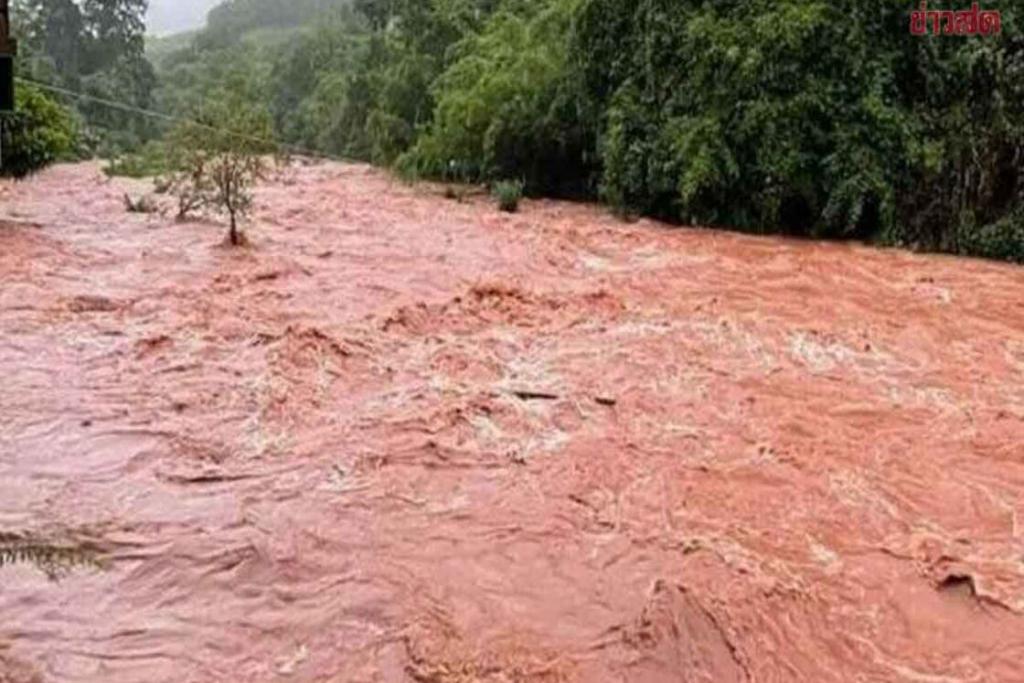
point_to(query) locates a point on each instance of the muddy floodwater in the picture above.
(402, 438)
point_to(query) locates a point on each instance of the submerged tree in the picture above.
(220, 155)
(233, 173)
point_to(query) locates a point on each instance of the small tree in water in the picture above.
(232, 176)
(220, 157)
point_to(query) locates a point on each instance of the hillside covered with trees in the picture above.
(805, 117)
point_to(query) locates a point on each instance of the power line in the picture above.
(123, 106)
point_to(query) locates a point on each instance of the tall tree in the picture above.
(116, 31)
(53, 33)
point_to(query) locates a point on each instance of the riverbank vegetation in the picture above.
(804, 117)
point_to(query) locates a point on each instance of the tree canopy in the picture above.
(38, 133)
(821, 118)
(96, 47)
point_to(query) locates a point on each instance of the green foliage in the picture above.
(191, 78)
(320, 96)
(220, 154)
(349, 83)
(230, 21)
(1003, 240)
(39, 133)
(401, 62)
(509, 105)
(508, 193)
(96, 46)
(191, 185)
(229, 125)
(161, 48)
(148, 161)
(238, 54)
(116, 30)
(811, 117)
(51, 33)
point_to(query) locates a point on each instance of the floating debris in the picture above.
(54, 559)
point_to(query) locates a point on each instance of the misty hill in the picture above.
(220, 23)
(229, 21)
(174, 16)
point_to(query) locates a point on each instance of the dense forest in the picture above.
(96, 47)
(823, 118)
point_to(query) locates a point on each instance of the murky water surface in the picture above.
(403, 438)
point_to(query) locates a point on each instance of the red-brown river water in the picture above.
(404, 438)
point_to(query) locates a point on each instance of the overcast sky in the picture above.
(171, 16)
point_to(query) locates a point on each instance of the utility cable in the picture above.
(123, 106)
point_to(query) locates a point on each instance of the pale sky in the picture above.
(172, 16)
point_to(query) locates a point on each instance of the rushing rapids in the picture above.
(404, 438)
